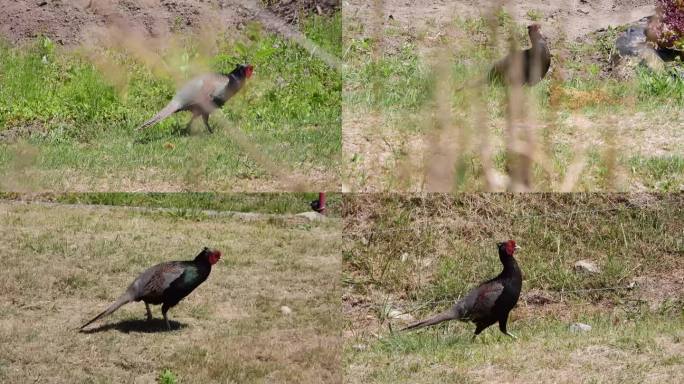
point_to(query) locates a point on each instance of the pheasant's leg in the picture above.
(187, 127)
(502, 327)
(205, 117)
(166, 319)
(478, 328)
(149, 313)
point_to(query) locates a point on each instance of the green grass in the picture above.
(273, 203)
(659, 173)
(290, 111)
(546, 351)
(444, 260)
(167, 377)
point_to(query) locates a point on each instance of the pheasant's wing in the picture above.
(480, 301)
(150, 285)
(218, 86)
(200, 91)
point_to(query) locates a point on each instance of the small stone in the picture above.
(580, 327)
(586, 266)
(42, 3)
(312, 216)
(285, 310)
(396, 314)
(404, 257)
(360, 347)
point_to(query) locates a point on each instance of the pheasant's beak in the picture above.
(517, 247)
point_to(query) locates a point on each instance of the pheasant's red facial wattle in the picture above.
(248, 71)
(511, 247)
(214, 257)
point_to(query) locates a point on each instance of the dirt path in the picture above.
(576, 17)
(69, 22)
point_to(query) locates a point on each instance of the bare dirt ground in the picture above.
(64, 264)
(68, 22)
(575, 18)
(377, 149)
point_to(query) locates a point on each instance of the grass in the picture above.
(230, 329)
(643, 351)
(413, 91)
(418, 254)
(450, 240)
(270, 203)
(84, 105)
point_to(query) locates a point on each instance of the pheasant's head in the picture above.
(212, 256)
(249, 69)
(508, 247)
(534, 31)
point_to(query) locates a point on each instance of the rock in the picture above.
(633, 50)
(536, 297)
(285, 310)
(312, 216)
(631, 41)
(586, 266)
(360, 347)
(396, 314)
(579, 327)
(404, 257)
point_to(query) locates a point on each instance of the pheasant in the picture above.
(166, 284)
(488, 303)
(204, 94)
(525, 67)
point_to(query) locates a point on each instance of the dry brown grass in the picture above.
(409, 256)
(63, 265)
(405, 251)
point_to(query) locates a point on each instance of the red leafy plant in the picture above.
(666, 29)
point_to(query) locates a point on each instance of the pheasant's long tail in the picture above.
(444, 316)
(167, 111)
(124, 299)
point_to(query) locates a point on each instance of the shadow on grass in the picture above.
(138, 326)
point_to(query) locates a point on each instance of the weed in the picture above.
(167, 377)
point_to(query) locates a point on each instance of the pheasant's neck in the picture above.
(538, 42)
(510, 265)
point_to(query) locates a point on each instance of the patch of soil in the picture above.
(575, 18)
(68, 22)
(292, 11)
(13, 134)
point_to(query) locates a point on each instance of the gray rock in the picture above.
(631, 41)
(587, 266)
(396, 314)
(285, 310)
(633, 50)
(312, 216)
(579, 327)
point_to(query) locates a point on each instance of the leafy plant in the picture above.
(167, 377)
(671, 27)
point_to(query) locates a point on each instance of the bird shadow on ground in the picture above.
(139, 326)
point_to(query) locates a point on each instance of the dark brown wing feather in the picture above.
(150, 285)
